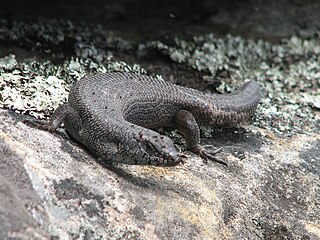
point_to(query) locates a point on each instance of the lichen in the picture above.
(289, 70)
(38, 88)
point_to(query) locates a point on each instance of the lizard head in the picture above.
(160, 150)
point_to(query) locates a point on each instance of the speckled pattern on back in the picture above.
(112, 114)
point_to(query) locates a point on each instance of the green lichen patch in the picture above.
(289, 72)
(38, 88)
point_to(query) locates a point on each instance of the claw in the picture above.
(206, 154)
(215, 151)
(40, 124)
(182, 156)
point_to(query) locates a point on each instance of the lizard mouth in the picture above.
(173, 159)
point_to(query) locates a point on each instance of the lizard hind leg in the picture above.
(186, 124)
(56, 120)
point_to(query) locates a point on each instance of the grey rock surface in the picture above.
(52, 188)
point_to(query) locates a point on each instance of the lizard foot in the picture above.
(40, 124)
(208, 154)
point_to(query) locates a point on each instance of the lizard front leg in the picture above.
(187, 125)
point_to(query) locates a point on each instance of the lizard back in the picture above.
(153, 103)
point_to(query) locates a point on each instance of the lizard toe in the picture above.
(208, 154)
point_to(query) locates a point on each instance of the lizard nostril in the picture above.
(173, 158)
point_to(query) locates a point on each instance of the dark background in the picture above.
(145, 19)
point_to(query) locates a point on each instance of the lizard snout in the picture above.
(173, 158)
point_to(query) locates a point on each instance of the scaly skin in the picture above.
(112, 114)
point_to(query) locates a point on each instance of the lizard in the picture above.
(114, 115)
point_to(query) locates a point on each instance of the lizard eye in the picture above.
(149, 147)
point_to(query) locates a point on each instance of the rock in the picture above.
(51, 188)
